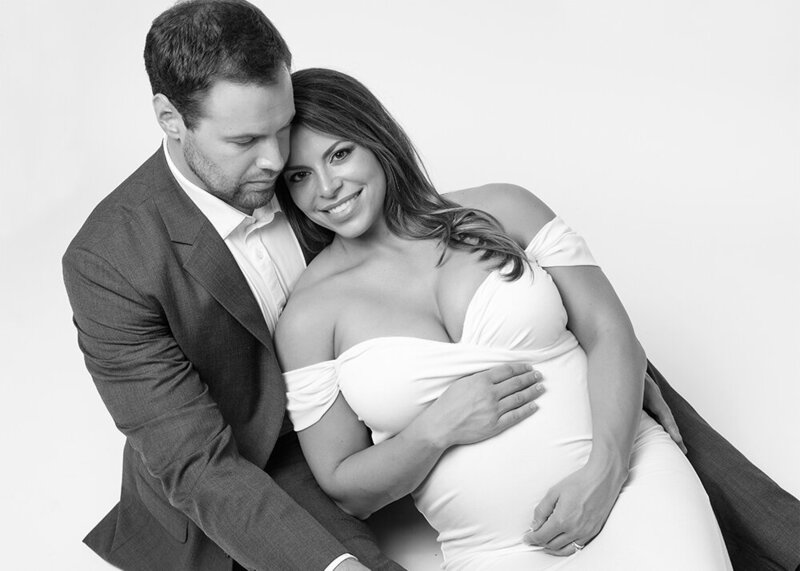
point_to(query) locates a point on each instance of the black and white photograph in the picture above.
(341, 286)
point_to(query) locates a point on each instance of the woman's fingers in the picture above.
(516, 387)
(556, 538)
(507, 371)
(484, 404)
(512, 417)
(544, 509)
(544, 528)
(520, 404)
(544, 534)
(520, 398)
(566, 550)
(515, 382)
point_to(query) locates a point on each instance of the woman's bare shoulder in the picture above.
(304, 334)
(520, 212)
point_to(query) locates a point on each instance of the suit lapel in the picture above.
(206, 258)
(212, 264)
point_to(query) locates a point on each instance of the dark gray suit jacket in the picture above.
(184, 362)
(759, 520)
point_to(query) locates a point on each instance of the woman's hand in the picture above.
(574, 511)
(482, 405)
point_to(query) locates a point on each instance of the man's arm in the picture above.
(759, 520)
(158, 401)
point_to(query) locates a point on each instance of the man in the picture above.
(176, 281)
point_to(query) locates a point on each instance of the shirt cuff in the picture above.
(338, 560)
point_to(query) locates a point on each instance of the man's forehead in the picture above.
(236, 105)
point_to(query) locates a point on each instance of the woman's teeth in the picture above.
(343, 206)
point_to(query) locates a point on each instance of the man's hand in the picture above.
(484, 404)
(656, 406)
(351, 564)
(574, 511)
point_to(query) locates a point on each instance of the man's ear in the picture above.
(168, 117)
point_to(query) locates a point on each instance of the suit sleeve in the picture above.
(158, 401)
(759, 520)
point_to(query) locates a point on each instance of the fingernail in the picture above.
(537, 375)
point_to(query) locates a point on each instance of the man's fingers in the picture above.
(658, 408)
(664, 416)
(672, 429)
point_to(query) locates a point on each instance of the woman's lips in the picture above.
(342, 205)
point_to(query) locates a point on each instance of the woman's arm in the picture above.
(509, 203)
(576, 508)
(362, 477)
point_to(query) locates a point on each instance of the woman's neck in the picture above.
(378, 241)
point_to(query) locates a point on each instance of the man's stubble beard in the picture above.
(216, 184)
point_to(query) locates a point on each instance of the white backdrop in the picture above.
(668, 133)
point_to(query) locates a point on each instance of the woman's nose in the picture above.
(329, 185)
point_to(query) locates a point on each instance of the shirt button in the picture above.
(260, 254)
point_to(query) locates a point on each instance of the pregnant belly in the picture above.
(483, 495)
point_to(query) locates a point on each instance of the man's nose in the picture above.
(270, 156)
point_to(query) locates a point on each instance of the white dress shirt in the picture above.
(263, 245)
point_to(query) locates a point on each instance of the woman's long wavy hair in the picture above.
(337, 105)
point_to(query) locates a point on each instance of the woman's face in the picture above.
(336, 183)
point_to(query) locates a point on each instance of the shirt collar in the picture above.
(223, 217)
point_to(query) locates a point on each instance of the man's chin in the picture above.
(253, 199)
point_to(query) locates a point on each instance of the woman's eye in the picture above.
(341, 154)
(296, 177)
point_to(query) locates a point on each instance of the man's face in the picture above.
(240, 144)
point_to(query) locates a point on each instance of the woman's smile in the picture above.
(342, 208)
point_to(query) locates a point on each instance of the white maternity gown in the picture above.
(480, 497)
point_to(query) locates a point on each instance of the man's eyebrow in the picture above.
(325, 155)
(286, 125)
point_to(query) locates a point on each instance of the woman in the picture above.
(410, 293)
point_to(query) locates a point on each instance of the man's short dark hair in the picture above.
(197, 42)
